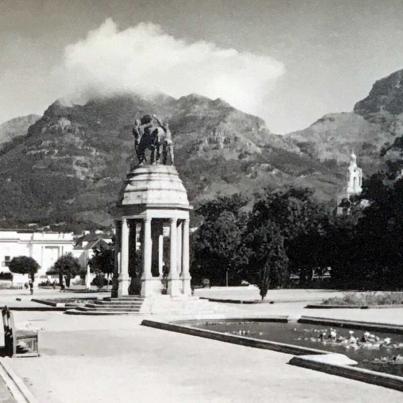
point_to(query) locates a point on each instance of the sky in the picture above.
(287, 61)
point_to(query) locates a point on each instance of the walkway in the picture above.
(114, 359)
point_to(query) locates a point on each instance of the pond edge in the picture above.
(303, 356)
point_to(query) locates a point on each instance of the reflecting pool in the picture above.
(378, 351)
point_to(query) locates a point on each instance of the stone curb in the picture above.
(381, 327)
(303, 356)
(320, 306)
(229, 338)
(14, 383)
(232, 301)
(35, 308)
(358, 374)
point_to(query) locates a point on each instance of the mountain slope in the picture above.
(16, 127)
(71, 165)
(373, 130)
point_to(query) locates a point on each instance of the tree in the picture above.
(267, 261)
(216, 247)
(24, 265)
(301, 221)
(217, 240)
(67, 266)
(103, 260)
(212, 209)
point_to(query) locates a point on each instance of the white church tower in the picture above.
(354, 183)
(353, 188)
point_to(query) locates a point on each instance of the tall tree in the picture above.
(67, 266)
(216, 248)
(301, 221)
(267, 261)
(103, 260)
(217, 240)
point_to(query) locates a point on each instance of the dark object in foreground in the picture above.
(18, 342)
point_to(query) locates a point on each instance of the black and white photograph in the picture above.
(201, 201)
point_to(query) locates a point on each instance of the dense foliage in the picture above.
(259, 246)
(24, 265)
(103, 261)
(67, 266)
(289, 232)
(368, 246)
(218, 240)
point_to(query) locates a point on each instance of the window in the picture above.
(6, 262)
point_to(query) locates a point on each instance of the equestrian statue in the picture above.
(153, 135)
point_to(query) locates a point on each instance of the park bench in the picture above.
(18, 342)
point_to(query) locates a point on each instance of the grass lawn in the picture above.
(366, 298)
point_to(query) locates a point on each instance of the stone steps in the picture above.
(97, 313)
(110, 306)
(116, 303)
(90, 307)
(123, 299)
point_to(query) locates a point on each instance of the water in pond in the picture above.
(378, 351)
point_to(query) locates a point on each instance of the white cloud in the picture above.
(145, 59)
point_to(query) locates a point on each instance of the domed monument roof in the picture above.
(154, 185)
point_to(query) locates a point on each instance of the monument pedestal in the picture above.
(174, 287)
(152, 233)
(150, 287)
(123, 287)
(181, 305)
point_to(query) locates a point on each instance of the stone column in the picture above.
(124, 280)
(161, 251)
(146, 277)
(88, 278)
(186, 288)
(156, 230)
(116, 269)
(179, 229)
(173, 278)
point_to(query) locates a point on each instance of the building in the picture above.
(84, 250)
(354, 182)
(44, 247)
(353, 187)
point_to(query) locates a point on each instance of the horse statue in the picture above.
(151, 134)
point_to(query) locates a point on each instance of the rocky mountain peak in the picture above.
(16, 127)
(71, 166)
(386, 96)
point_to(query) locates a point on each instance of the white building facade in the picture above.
(44, 247)
(353, 188)
(354, 182)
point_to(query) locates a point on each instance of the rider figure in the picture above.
(167, 143)
(150, 132)
(142, 130)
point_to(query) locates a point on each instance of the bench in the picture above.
(18, 342)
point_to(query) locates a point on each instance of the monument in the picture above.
(353, 187)
(152, 219)
(354, 183)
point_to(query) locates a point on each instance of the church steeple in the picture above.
(354, 183)
(353, 188)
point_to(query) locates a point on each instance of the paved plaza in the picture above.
(115, 359)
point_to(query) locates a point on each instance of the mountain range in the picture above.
(66, 167)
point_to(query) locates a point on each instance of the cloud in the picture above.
(146, 60)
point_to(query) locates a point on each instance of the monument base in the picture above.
(151, 286)
(174, 287)
(178, 306)
(123, 287)
(186, 287)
